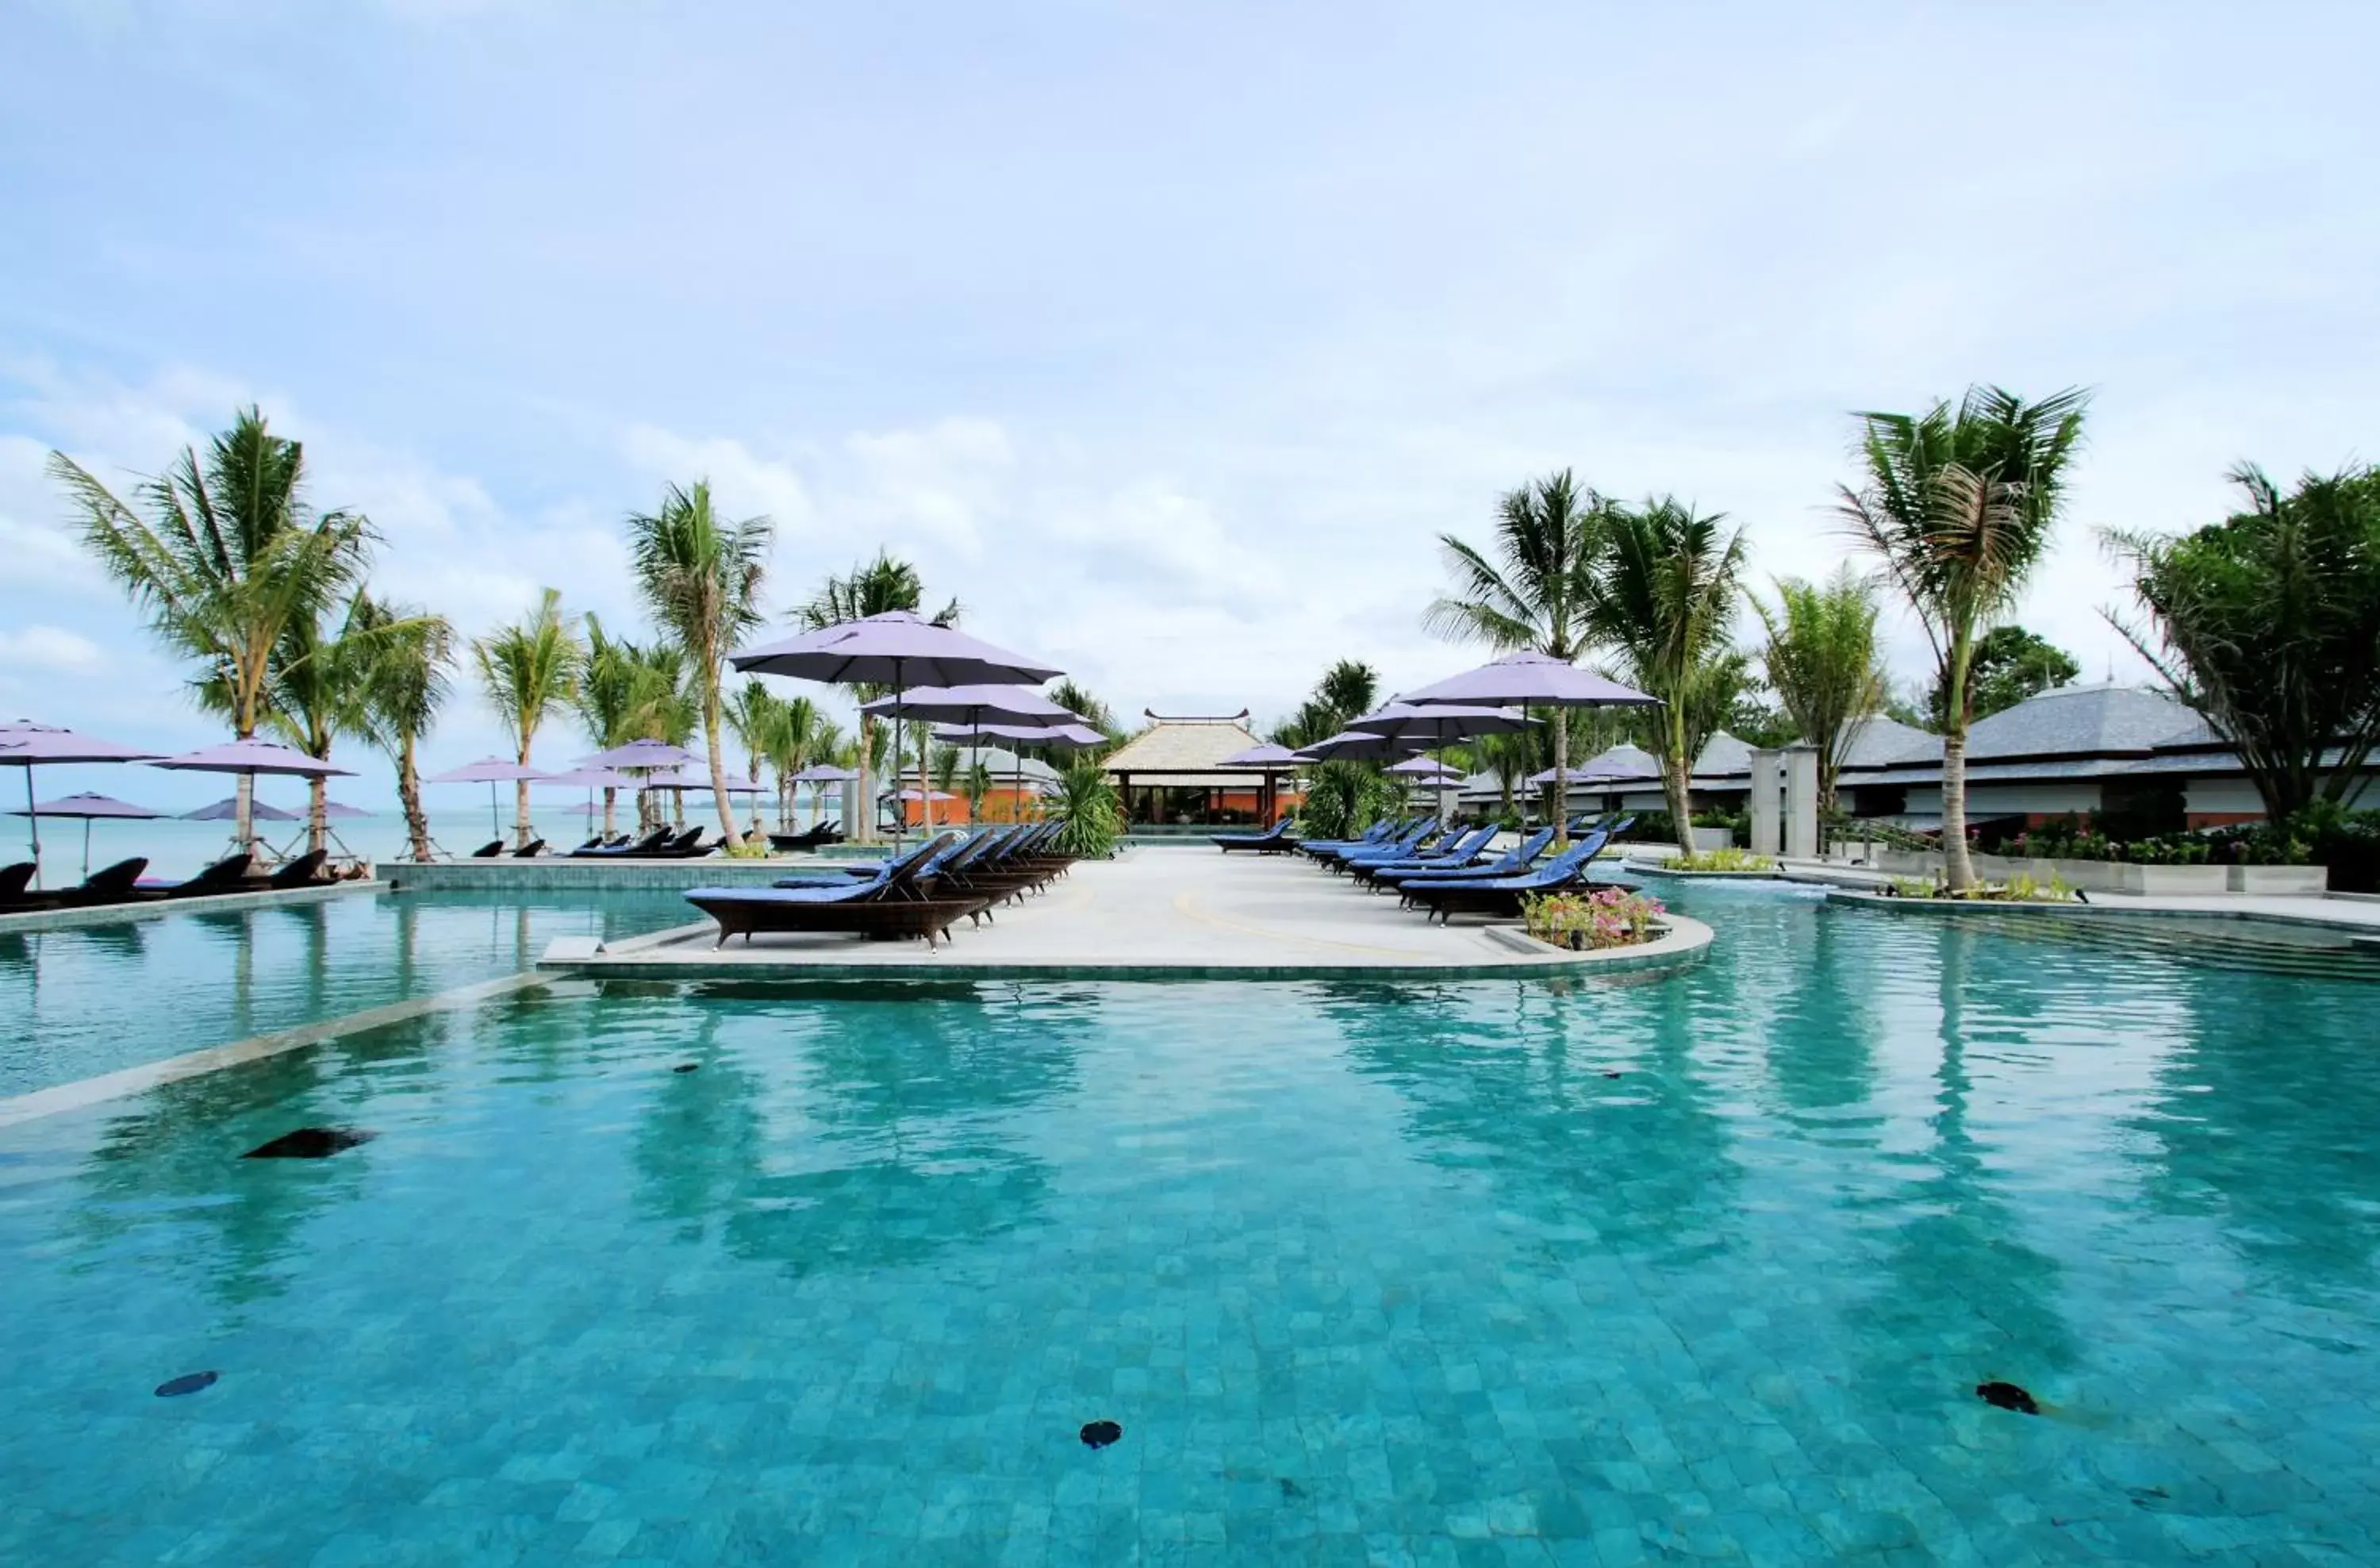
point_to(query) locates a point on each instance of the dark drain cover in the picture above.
(687, 1067)
(1098, 1434)
(2007, 1396)
(188, 1382)
(310, 1143)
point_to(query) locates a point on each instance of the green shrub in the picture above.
(1607, 917)
(1729, 859)
(1087, 803)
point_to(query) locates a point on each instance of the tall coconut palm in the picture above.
(530, 672)
(700, 576)
(1533, 593)
(885, 583)
(1663, 595)
(1820, 659)
(404, 685)
(229, 557)
(1959, 503)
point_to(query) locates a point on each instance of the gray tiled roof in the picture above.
(1879, 741)
(2080, 721)
(1723, 756)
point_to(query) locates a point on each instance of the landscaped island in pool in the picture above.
(1704, 1266)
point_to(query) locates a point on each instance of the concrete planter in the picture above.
(2171, 881)
(2277, 879)
(1712, 838)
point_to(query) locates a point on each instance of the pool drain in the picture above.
(188, 1382)
(2007, 1396)
(1098, 1434)
(310, 1143)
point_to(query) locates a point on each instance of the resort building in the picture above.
(1171, 772)
(2129, 753)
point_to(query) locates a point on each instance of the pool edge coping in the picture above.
(125, 1082)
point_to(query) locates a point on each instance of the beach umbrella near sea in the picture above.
(816, 774)
(247, 760)
(491, 771)
(228, 811)
(90, 807)
(640, 755)
(898, 648)
(1530, 679)
(26, 745)
(591, 779)
(340, 811)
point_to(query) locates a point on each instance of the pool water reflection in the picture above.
(1706, 1268)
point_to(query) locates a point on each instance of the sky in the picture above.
(1167, 338)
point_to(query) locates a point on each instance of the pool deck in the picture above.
(1153, 914)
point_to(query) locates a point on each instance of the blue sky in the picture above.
(1167, 337)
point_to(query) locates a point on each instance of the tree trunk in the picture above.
(609, 795)
(408, 799)
(1673, 782)
(243, 815)
(1957, 866)
(520, 801)
(318, 813)
(1561, 782)
(866, 828)
(727, 829)
(1958, 869)
(925, 789)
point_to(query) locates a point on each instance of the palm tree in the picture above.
(405, 683)
(787, 745)
(700, 576)
(314, 695)
(1076, 699)
(1959, 505)
(228, 559)
(1821, 661)
(760, 719)
(1548, 535)
(883, 584)
(530, 670)
(1663, 596)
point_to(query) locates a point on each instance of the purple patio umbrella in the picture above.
(898, 648)
(339, 811)
(1356, 746)
(970, 706)
(88, 806)
(248, 759)
(818, 774)
(29, 746)
(491, 771)
(1530, 679)
(1271, 760)
(1072, 734)
(640, 754)
(1427, 771)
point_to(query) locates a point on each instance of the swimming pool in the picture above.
(1702, 1268)
(91, 1000)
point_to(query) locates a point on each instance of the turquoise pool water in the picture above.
(89, 1001)
(1704, 1269)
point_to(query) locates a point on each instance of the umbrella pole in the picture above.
(493, 821)
(86, 845)
(33, 819)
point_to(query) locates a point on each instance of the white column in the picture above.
(1767, 800)
(1802, 802)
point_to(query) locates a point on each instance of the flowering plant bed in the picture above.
(1585, 921)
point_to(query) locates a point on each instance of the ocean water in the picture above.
(1698, 1269)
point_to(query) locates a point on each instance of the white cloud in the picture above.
(49, 648)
